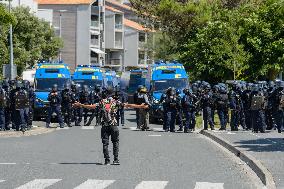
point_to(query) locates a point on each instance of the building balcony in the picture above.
(95, 24)
(94, 60)
(118, 44)
(141, 61)
(95, 10)
(114, 62)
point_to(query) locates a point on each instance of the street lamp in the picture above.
(11, 43)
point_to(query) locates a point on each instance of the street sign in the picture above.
(7, 71)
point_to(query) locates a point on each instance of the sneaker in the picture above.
(116, 162)
(107, 162)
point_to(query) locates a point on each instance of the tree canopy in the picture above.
(218, 40)
(33, 40)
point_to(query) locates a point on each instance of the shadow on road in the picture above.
(263, 145)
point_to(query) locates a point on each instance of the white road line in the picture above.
(7, 163)
(65, 128)
(95, 184)
(88, 127)
(2, 181)
(152, 185)
(158, 129)
(39, 184)
(134, 129)
(154, 135)
(209, 185)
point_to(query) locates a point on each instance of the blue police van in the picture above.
(48, 74)
(88, 75)
(160, 77)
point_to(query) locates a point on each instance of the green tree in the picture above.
(5, 16)
(33, 40)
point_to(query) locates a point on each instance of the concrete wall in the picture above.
(69, 30)
(131, 47)
(83, 34)
(109, 29)
(46, 15)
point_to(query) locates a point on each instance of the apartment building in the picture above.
(115, 38)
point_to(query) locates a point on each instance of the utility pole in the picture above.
(60, 30)
(11, 46)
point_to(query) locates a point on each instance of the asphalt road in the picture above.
(72, 158)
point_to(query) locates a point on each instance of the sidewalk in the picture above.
(268, 148)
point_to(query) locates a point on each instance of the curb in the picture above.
(260, 170)
(33, 132)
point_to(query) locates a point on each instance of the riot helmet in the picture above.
(85, 88)
(67, 86)
(140, 87)
(255, 88)
(171, 91)
(18, 85)
(5, 83)
(26, 84)
(178, 92)
(54, 88)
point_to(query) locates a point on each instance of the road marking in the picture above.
(88, 127)
(152, 185)
(95, 184)
(39, 184)
(154, 135)
(230, 133)
(65, 128)
(2, 181)
(209, 185)
(158, 129)
(7, 163)
(134, 129)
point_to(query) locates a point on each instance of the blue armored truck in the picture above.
(160, 77)
(88, 75)
(47, 74)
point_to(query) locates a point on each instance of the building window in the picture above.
(142, 37)
(141, 57)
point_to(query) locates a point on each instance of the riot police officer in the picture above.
(142, 98)
(189, 108)
(206, 104)
(257, 109)
(269, 110)
(222, 106)
(236, 106)
(170, 105)
(179, 110)
(135, 100)
(3, 105)
(278, 105)
(20, 106)
(55, 100)
(32, 98)
(67, 101)
(84, 98)
(7, 109)
(75, 110)
(246, 100)
(95, 97)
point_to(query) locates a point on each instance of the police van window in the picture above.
(46, 84)
(89, 82)
(168, 71)
(51, 71)
(163, 85)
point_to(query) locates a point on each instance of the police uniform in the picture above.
(75, 110)
(236, 107)
(189, 108)
(179, 111)
(206, 104)
(95, 98)
(222, 105)
(170, 107)
(3, 105)
(67, 101)
(84, 98)
(55, 100)
(7, 109)
(20, 108)
(278, 105)
(143, 121)
(257, 111)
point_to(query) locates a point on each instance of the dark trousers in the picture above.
(137, 118)
(113, 132)
(2, 118)
(248, 119)
(83, 112)
(279, 115)
(235, 120)
(223, 117)
(189, 119)
(269, 119)
(121, 113)
(179, 118)
(31, 117)
(22, 118)
(258, 120)
(67, 113)
(170, 121)
(57, 110)
(7, 118)
(207, 117)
